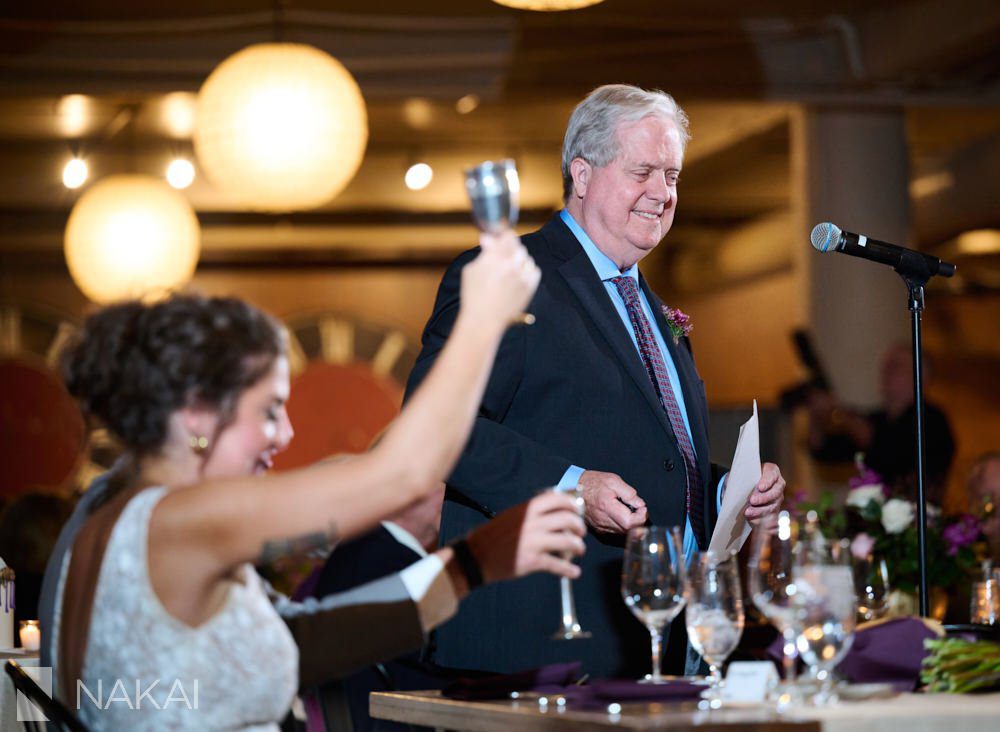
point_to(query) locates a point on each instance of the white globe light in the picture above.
(280, 127)
(75, 173)
(180, 173)
(131, 236)
(418, 176)
(547, 5)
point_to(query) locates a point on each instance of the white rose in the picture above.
(860, 497)
(897, 514)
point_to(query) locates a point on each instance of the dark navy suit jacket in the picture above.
(569, 390)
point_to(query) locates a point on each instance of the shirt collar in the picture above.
(606, 268)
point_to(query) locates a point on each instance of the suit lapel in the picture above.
(689, 380)
(579, 274)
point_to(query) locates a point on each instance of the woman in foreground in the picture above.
(162, 621)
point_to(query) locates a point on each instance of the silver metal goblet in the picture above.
(494, 189)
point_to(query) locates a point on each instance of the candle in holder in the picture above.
(31, 635)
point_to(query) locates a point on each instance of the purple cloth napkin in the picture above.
(628, 690)
(545, 679)
(890, 652)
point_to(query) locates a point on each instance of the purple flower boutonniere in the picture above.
(678, 321)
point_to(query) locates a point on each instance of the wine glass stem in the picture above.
(714, 676)
(656, 641)
(569, 620)
(788, 656)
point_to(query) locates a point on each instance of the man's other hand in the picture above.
(611, 505)
(768, 494)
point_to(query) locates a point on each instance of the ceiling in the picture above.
(115, 81)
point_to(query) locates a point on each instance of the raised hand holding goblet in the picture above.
(494, 189)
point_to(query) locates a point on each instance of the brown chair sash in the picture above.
(78, 592)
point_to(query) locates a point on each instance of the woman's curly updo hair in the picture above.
(134, 364)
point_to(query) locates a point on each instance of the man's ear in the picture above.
(580, 170)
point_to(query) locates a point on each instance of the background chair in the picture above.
(60, 718)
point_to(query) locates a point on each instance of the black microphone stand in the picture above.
(915, 273)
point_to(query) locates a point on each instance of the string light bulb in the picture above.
(180, 173)
(75, 173)
(418, 176)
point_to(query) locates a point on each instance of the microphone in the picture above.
(828, 237)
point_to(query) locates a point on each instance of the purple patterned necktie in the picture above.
(652, 359)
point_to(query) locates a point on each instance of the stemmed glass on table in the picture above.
(772, 588)
(825, 607)
(714, 613)
(570, 628)
(871, 585)
(653, 581)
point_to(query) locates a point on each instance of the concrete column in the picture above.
(850, 168)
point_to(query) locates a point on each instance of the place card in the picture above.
(749, 681)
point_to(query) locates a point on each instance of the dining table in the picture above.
(532, 712)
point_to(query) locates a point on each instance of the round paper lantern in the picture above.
(131, 236)
(547, 5)
(281, 126)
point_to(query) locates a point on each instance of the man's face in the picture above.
(628, 206)
(897, 376)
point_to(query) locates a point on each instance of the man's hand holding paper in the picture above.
(752, 491)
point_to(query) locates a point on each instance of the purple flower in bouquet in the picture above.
(678, 321)
(963, 532)
(866, 476)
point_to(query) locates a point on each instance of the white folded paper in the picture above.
(732, 528)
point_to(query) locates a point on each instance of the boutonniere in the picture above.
(678, 321)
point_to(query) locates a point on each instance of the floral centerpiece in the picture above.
(886, 526)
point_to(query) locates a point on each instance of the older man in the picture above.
(599, 392)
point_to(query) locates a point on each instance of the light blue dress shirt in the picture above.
(606, 270)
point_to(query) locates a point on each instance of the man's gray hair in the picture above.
(592, 130)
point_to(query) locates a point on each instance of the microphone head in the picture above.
(825, 237)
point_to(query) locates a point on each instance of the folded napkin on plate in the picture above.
(628, 690)
(499, 686)
(883, 651)
(889, 651)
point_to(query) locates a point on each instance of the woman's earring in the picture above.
(199, 444)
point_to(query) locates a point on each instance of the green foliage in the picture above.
(959, 666)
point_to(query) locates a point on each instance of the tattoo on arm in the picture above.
(277, 549)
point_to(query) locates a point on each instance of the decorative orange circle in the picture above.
(41, 430)
(337, 409)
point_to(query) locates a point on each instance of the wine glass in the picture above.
(714, 613)
(493, 189)
(653, 579)
(571, 628)
(871, 585)
(825, 608)
(772, 588)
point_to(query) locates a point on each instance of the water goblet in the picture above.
(871, 585)
(825, 609)
(714, 613)
(653, 579)
(493, 189)
(772, 590)
(570, 629)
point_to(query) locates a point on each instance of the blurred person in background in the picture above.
(887, 435)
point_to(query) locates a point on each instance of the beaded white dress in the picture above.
(144, 669)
